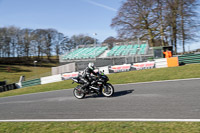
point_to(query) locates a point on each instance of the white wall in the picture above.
(160, 63)
(51, 79)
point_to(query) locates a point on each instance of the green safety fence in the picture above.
(189, 59)
(31, 83)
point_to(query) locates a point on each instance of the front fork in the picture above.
(104, 88)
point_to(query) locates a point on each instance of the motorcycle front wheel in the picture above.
(78, 92)
(108, 90)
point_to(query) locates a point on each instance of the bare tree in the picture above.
(188, 21)
(173, 5)
(81, 39)
(183, 21)
(28, 42)
(157, 20)
(163, 24)
(5, 42)
(48, 43)
(12, 33)
(58, 41)
(137, 18)
(65, 45)
(111, 40)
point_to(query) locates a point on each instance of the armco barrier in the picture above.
(189, 59)
(31, 83)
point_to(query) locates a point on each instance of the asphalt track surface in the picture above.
(178, 99)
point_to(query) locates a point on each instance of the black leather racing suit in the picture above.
(86, 77)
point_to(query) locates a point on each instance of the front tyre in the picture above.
(78, 92)
(108, 90)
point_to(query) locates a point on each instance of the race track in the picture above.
(178, 99)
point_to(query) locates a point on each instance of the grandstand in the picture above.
(85, 53)
(128, 50)
(116, 51)
(121, 53)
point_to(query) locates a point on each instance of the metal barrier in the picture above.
(31, 83)
(189, 59)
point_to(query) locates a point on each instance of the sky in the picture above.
(70, 17)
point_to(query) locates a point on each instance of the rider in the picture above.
(86, 76)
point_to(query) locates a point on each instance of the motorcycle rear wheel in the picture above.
(78, 92)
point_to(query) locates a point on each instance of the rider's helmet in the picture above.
(91, 66)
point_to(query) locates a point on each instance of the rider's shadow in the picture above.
(122, 93)
(116, 94)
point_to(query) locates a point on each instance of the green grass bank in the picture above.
(100, 127)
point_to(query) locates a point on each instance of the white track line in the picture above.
(101, 120)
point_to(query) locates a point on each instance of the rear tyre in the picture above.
(79, 92)
(108, 90)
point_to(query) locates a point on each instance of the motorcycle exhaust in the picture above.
(94, 88)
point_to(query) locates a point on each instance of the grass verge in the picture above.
(182, 72)
(12, 73)
(170, 73)
(100, 127)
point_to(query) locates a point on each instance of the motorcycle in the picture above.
(99, 86)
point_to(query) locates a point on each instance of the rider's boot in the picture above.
(84, 87)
